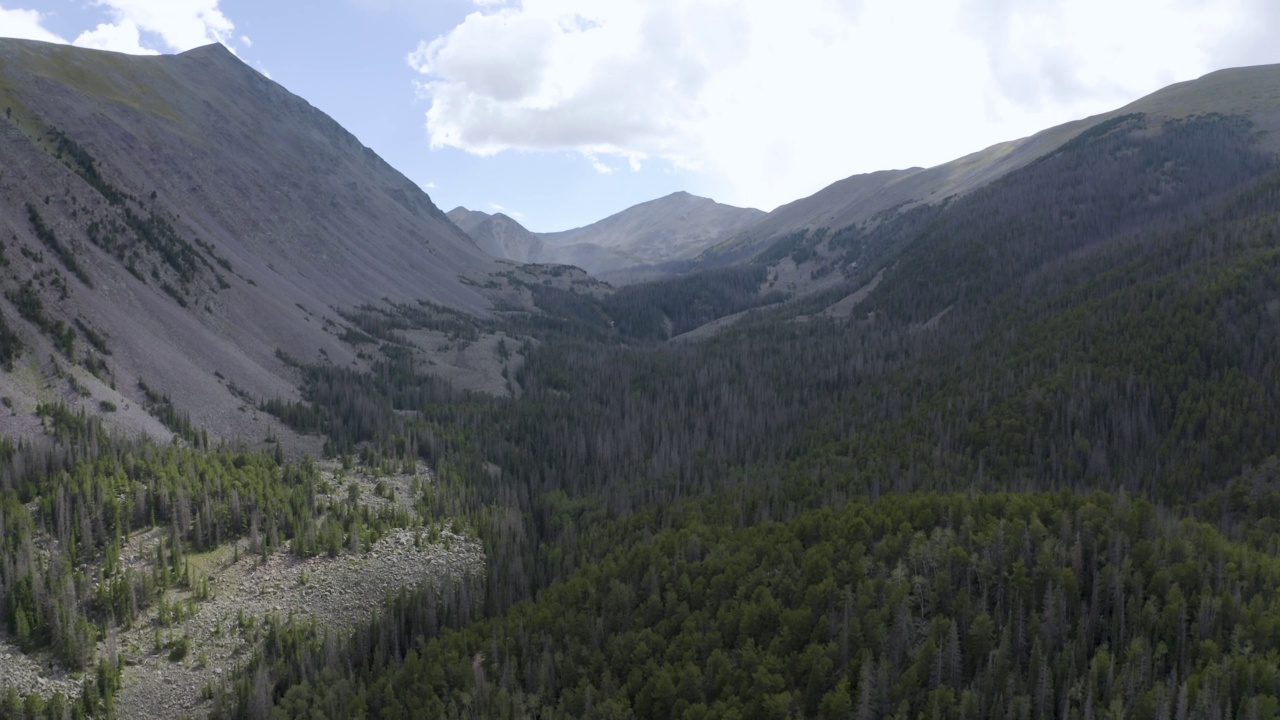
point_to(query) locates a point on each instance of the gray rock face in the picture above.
(254, 218)
(675, 227)
(499, 235)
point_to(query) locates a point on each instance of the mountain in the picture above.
(1007, 453)
(1252, 92)
(499, 235)
(671, 228)
(184, 223)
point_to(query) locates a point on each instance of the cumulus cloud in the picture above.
(620, 78)
(776, 100)
(137, 27)
(1045, 53)
(122, 36)
(25, 24)
(148, 27)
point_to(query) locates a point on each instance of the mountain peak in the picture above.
(215, 49)
(672, 227)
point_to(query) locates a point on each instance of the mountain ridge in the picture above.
(861, 198)
(499, 234)
(1253, 91)
(674, 227)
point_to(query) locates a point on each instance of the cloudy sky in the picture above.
(560, 112)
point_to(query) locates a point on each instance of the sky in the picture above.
(561, 112)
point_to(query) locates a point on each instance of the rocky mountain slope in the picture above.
(675, 227)
(184, 223)
(499, 235)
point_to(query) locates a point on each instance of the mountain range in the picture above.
(279, 438)
(676, 227)
(182, 223)
(680, 232)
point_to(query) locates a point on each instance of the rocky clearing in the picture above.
(245, 589)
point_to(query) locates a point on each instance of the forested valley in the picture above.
(1034, 475)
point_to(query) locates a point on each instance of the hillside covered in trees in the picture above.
(1032, 473)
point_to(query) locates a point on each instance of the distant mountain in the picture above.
(499, 235)
(1252, 92)
(184, 222)
(674, 227)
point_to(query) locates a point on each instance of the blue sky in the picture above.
(561, 112)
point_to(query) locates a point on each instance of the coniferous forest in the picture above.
(1034, 474)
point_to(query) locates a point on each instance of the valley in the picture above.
(282, 439)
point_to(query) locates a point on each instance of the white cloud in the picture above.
(598, 166)
(775, 100)
(119, 37)
(150, 26)
(1047, 53)
(137, 27)
(505, 211)
(25, 24)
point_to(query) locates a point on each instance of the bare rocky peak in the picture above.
(668, 228)
(674, 227)
(214, 217)
(499, 235)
